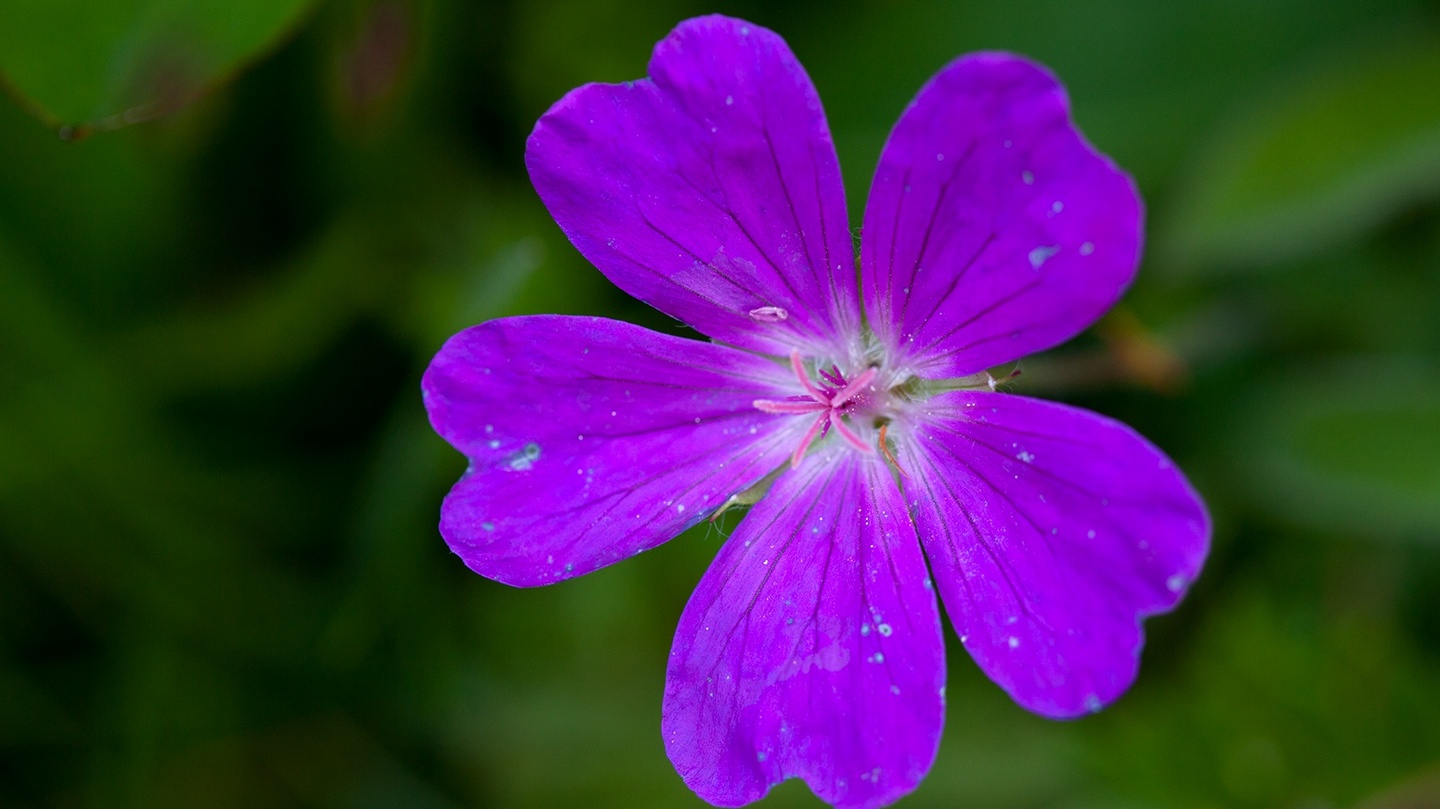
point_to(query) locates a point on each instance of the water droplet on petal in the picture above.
(769, 314)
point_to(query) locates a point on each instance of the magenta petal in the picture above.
(993, 229)
(1051, 531)
(710, 191)
(811, 647)
(591, 440)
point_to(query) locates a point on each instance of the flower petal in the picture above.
(993, 229)
(591, 440)
(1051, 531)
(710, 191)
(812, 647)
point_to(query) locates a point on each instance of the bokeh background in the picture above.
(232, 234)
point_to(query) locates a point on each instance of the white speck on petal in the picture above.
(1042, 254)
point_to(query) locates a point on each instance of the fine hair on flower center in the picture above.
(831, 398)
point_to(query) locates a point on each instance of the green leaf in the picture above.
(84, 65)
(1318, 160)
(1355, 449)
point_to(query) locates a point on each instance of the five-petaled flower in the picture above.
(855, 401)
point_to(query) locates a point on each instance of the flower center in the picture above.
(830, 400)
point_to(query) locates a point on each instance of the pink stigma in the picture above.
(828, 403)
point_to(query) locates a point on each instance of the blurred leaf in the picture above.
(275, 325)
(1355, 448)
(87, 65)
(1315, 161)
(1420, 792)
(1279, 706)
(146, 523)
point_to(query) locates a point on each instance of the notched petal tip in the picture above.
(1052, 532)
(994, 229)
(710, 190)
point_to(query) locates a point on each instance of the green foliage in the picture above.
(220, 579)
(1354, 448)
(107, 64)
(1319, 159)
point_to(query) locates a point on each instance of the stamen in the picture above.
(885, 448)
(771, 406)
(808, 439)
(799, 368)
(848, 434)
(849, 391)
(829, 405)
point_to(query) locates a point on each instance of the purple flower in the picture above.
(856, 402)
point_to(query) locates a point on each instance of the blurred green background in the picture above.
(233, 232)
